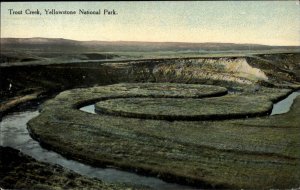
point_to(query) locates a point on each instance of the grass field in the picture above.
(195, 114)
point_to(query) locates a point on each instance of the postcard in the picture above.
(150, 95)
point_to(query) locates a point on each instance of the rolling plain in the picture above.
(192, 114)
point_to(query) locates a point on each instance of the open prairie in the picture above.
(192, 115)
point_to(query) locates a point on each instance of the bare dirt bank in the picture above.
(273, 70)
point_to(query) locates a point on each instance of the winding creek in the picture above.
(280, 107)
(284, 105)
(13, 133)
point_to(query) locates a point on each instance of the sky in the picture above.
(255, 22)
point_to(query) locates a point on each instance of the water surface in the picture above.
(13, 133)
(284, 105)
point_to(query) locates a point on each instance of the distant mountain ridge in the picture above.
(49, 44)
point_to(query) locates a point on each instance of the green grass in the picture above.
(254, 153)
(19, 171)
(225, 107)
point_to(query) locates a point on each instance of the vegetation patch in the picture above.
(258, 152)
(231, 106)
(19, 171)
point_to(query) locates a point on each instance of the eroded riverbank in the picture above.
(42, 81)
(246, 151)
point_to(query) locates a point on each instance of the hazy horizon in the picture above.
(274, 23)
(148, 41)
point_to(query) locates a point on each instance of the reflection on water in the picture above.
(89, 109)
(284, 105)
(13, 133)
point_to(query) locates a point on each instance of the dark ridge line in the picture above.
(93, 101)
(207, 147)
(172, 118)
(235, 56)
(254, 153)
(269, 126)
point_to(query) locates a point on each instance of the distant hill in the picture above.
(60, 44)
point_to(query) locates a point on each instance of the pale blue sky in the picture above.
(262, 22)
